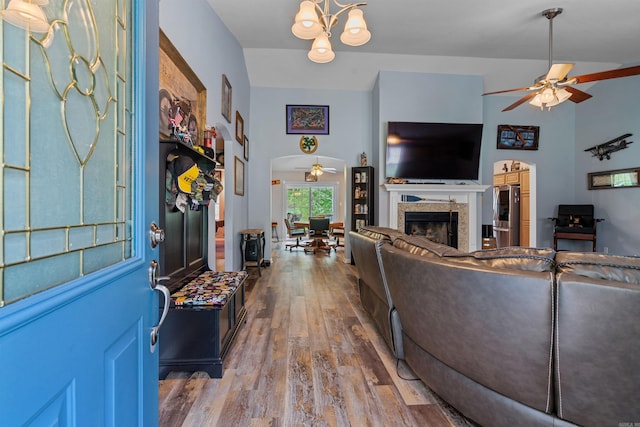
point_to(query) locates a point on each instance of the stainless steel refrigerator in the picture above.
(506, 215)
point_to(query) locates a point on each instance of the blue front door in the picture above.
(79, 189)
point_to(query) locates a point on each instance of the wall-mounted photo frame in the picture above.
(181, 88)
(238, 177)
(309, 177)
(239, 128)
(308, 119)
(619, 178)
(512, 137)
(246, 148)
(225, 104)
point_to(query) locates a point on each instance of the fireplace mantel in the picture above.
(461, 194)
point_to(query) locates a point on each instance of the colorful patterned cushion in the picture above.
(210, 288)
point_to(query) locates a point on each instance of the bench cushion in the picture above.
(212, 288)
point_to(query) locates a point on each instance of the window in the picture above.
(67, 172)
(309, 200)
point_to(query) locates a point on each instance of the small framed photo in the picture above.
(225, 106)
(246, 148)
(309, 177)
(238, 177)
(239, 128)
(308, 119)
(511, 137)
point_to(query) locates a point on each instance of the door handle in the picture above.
(154, 282)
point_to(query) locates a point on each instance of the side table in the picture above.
(252, 244)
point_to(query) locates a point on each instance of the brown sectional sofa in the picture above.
(514, 336)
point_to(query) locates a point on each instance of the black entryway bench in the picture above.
(204, 316)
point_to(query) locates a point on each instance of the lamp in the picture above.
(27, 15)
(313, 22)
(550, 96)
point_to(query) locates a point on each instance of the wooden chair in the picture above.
(336, 230)
(295, 232)
(575, 222)
(318, 231)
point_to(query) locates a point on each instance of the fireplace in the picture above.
(465, 200)
(440, 227)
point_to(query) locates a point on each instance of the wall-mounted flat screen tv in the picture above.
(433, 151)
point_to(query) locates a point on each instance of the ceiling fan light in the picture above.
(547, 95)
(562, 95)
(26, 15)
(355, 30)
(321, 51)
(306, 24)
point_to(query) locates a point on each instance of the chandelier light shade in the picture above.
(27, 15)
(355, 30)
(306, 25)
(315, 22)
(321, 51)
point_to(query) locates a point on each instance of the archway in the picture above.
(514, 164)
(290, 170)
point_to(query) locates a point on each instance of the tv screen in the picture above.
(433, 151)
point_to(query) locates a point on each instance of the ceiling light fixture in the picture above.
(550, 96)
(27, 14)
(313, 22)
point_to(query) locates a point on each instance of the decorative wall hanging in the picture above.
(239, 128)
(183, 97)
(246, 148)
(619, 178)
(309, 177)
(308, 144)
(238, 177)
(512, 137)
(604, 150)
(309, 119)
(225, 105)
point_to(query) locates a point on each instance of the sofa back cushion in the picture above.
(420, 245)
(380, 233)
(493, 325)
(513, 258)
(600, 266)
(597, 338)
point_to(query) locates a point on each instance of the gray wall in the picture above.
(357, 121)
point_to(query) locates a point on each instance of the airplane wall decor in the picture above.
(604, 150)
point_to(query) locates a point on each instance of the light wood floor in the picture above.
(308, 355)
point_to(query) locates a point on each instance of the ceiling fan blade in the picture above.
(610, 74)
(558, 72)
(520, 101)
(576, 94)
(511, 90)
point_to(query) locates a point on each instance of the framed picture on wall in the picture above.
(513, 137)
(308, 119)
(239, 128)
(238, 177)
(225, 106)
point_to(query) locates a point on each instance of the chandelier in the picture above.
(313, 22)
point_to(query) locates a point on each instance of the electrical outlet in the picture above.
(606, 249)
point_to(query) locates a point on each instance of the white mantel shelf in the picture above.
(467, 194)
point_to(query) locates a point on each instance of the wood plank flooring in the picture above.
(309, 355)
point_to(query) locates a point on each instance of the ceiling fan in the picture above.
(317, 169)
(555, 87)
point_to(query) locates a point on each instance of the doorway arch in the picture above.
(291, 170)
(498, 167)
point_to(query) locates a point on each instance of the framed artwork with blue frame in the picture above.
(308, 119)
(512, 137)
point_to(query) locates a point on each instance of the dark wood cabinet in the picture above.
(192, 338)
(362, 196)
